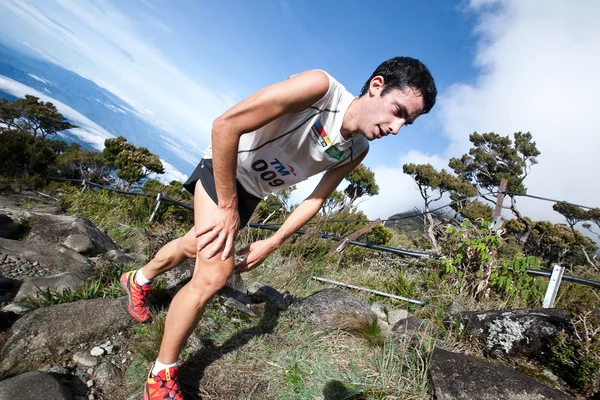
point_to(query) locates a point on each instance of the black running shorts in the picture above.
(204, 173)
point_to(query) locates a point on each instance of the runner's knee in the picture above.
(210, 283)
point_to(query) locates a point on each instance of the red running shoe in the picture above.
(163, 386)
(138, 296)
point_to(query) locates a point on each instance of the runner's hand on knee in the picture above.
(219, 233)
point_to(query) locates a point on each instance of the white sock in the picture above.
(158, 366)
(140, 279)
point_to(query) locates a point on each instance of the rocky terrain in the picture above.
(82, 349)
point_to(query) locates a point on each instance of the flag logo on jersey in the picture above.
(320, 135)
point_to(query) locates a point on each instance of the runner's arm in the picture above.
(261, 249)
(313, 203)
(292, 95)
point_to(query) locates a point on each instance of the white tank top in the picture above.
(296, 146)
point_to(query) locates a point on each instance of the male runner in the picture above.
(275, 138)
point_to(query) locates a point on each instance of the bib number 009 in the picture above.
(266, 174)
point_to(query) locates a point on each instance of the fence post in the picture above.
(84, 186)
(158, 197)
(553, 285)
(341, 245)
(497, 223)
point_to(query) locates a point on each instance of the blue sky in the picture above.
(500, 65)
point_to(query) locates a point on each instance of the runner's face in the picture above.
(384, 115)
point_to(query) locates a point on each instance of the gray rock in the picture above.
(180, 275)
(75, 233)
(53, 260)
(235, 288)
(335, 308)
(97, 351)
(236, 305)
(108, 376)
(236, 283)
(80, 243)
(85, 359)
(261, 292)
(455, 307)
(411, 327)
(137, 257)
(58, 369)
(47, 209)
(33, 385)
(384, 327)
(120, 258)
(516, 333)
(16, 308)
(396, 315)
(59, 282)
(379, 310)
(47, 333)
(109, 348)
(458, 377)
(194, 344)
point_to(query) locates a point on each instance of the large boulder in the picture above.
(47, 333)
(458, 377)
(515, 333)
(33, 385)
(56, 283)
(336, 308)
(19, 259)
(75, 233)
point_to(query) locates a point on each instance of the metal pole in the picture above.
(354, 242)
(158, 196)
(393, 296)
(553, 285)
(84, 186)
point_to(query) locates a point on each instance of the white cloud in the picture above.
(539, 62)
(37, 78)
(171, 174)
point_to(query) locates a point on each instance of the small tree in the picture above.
(432, 186)
(133, 163)
(555, 243)
(473, 210)
(494, 157)
(361, 183)
(35, 117)
(83, 164)
(575, 215)
(334, 203)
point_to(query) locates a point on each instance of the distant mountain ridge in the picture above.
(86, 97)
